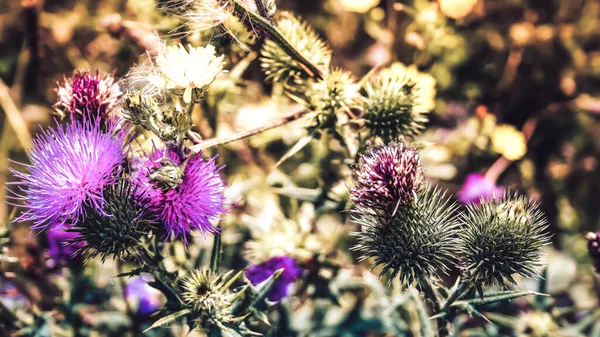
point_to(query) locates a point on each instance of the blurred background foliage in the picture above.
(517, 99)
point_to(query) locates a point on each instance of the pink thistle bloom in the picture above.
(477, 188)
(87, 94)
(70, 167)
(192, 198)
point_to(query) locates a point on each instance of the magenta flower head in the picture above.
(182, 197)
(387, 176)
(259, 272)
(70, 167)
(61, 247)
(477, 188)
(87, 94)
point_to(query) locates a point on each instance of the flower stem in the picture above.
(201, 145)
(432, 295)
(158, 273)
(253, 18)
(262, 9)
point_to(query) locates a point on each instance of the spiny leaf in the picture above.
(426, 326)
(296, 148)
(168, 319)
(496, 297)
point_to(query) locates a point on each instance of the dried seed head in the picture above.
(500, 238)
(414, 243)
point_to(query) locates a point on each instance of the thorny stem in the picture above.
(431, 294)
(253, 18)
(262, 10)
(247, 133)
(462, 287)
(158, 273)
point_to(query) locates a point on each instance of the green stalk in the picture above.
(257, 20)
(157, 272)
(432, 295)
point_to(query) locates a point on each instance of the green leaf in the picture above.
(496, 297)
(168, 319)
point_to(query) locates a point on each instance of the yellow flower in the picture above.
(509, 142)
(359, 6)
(187, 70)
(457, 9)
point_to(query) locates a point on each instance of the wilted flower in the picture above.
(87, 94)
(416, 242)
(194, 68)
(509, 142)
(279, 66)
(594, 248)
(182, 197)
(387, 176)
(501, 238)
(477, 188)
(142, 296)
(198, 15)
(61, 247)
(396, 103)
(70, 167)
(118, 229)
(260, 272)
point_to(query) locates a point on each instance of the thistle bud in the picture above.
(396, 103)
(209, 295)
(138, 108)
(117, 230)
(387, 176)
(281, 67)
(337, 91)
(501, 238)
(416, 242)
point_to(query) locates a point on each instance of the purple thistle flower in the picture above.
(87, 94)
(61, 247)
(259, 272)
(70, 167)
(182, 198)
(144, 297)
(476, 188)
(387, 176)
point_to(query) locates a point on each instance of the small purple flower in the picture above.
(87, 94)
(594, 249)
(387, 176)
(182, 198)
(477, 187)
(70, 166)
(262, 271)
(144, 297)
(61, 249)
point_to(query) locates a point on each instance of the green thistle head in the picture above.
(118, 230)
(280, 67)
(337, 91)
(393, 105)
(501, 238)
(415, 242)
(210, 297)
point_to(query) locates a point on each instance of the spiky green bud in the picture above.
(414, 243)
(118, 230)
(138, 108)
(280, 67)
(211, 299)
(392, 106)
(500, 238)
(337, 91)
